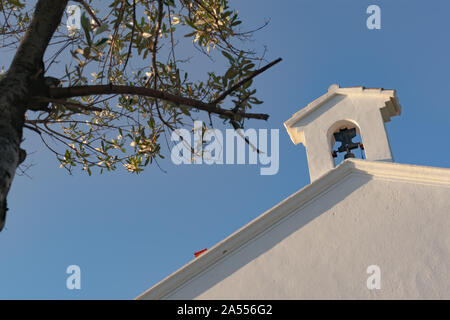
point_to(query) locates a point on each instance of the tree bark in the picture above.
(16, 90)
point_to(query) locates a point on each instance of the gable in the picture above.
(322, 244)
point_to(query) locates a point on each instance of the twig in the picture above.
(89, 10)
(243, 81)
(132, 36)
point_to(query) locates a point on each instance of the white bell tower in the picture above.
(361, 108)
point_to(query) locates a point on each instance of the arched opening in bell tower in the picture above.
(345, 141)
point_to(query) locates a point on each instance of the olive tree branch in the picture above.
(210, 107)
(90, 90)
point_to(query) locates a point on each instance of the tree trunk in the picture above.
(16, 90)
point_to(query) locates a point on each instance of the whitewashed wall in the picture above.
(322, 251)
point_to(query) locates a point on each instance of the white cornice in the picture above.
(391, 108)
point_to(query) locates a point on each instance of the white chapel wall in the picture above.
(323, 250)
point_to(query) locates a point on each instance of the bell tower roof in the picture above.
(363, 109)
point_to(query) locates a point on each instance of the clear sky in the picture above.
(128, 232)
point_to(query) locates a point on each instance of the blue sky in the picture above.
(128, 232)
